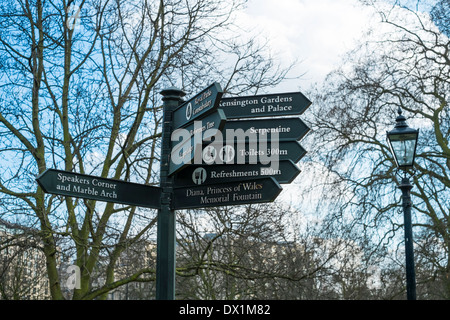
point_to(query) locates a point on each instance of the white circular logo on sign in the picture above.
(199, 175)
(209, 154)
(227, 154)
(188, 111)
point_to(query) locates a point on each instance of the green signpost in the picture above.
(248, 169)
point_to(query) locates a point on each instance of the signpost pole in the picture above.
(166, 235)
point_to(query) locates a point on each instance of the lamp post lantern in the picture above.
(403, 143)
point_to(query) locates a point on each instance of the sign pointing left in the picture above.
(78, 185)
(202, 104)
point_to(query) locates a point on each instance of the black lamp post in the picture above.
(403, 143)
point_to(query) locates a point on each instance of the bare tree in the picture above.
(21, 263)
(407, 66)
(80, 83)
(257, 252)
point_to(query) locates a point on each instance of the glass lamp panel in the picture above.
(404, 147)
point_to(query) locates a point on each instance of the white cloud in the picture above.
(316, 32)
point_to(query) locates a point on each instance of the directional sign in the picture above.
(284, 172)
(248, 153)
(77, 185)
(224, 194)
(203, 103)
(286, 128)
(191, 138)
(283, 104)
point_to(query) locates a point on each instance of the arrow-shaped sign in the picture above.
(283, 104)
(224, 194)
(287, 129)
(284, 172)
(203, 103)
(77, 185)
(248, 153)
(191, 139)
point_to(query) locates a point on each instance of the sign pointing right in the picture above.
(245, 153)
(284, 172)
(269, 105)
(288, 129)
